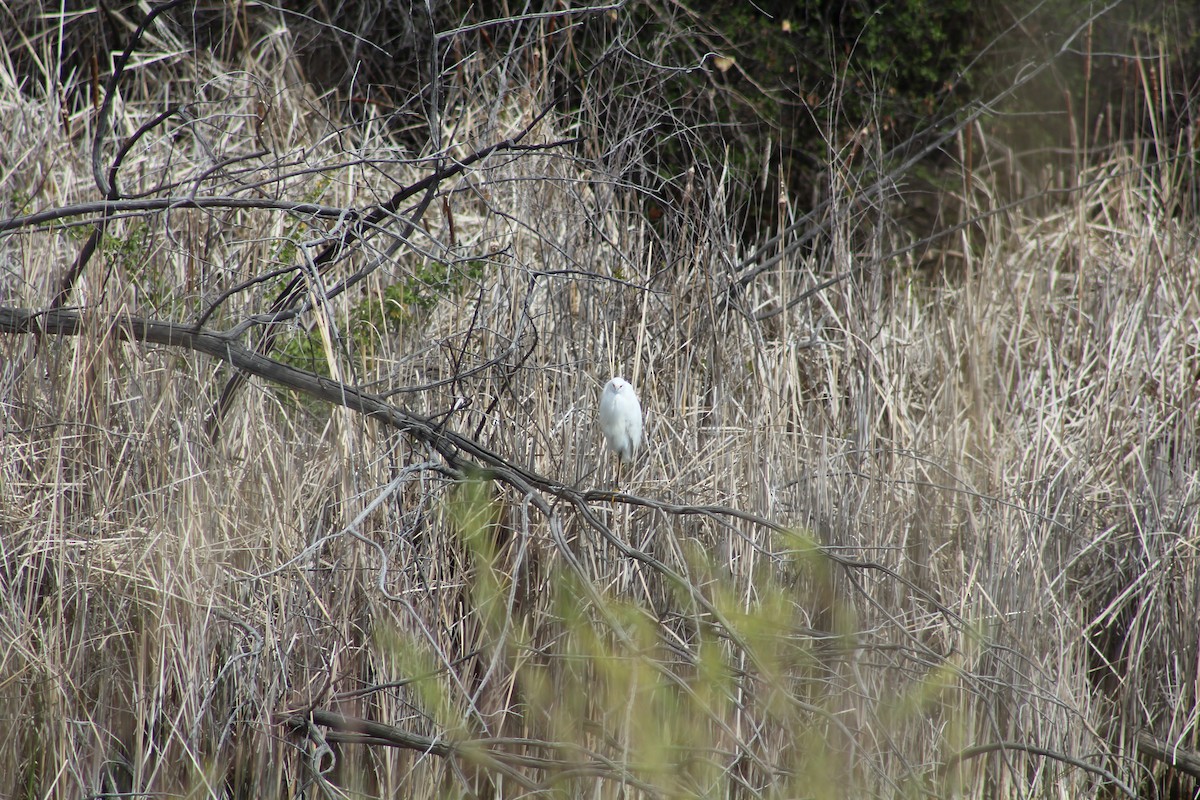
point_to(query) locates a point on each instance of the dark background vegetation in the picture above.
(798, 75)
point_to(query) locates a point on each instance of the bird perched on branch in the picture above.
(621, 420)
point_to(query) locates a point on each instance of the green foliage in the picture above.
(20, 201)
(304, 350)
(430, 283)
(131, 253)
(610, 685)
(919, 44)
(402, 303)
(852, 62)
(780, 81)
(128, 250)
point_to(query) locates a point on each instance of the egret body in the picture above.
(621, 418)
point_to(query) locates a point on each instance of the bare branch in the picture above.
(482, 753)
(993, 747)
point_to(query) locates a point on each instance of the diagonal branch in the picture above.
(464, 455)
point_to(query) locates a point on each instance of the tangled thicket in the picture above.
(302, 489)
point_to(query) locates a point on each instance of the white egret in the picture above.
(621, 420)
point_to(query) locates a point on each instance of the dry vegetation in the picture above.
(923, 532)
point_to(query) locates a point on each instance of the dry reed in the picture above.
(966, 556)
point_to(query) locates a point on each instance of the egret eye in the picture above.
(621, 419)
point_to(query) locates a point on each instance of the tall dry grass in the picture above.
(964, 558)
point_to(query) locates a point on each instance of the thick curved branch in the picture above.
(459, 450)
(1184, 760)
(107, 184)
(481, 753)
(463, 454)
(129, 328)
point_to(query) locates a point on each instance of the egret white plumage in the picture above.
(621, 419)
